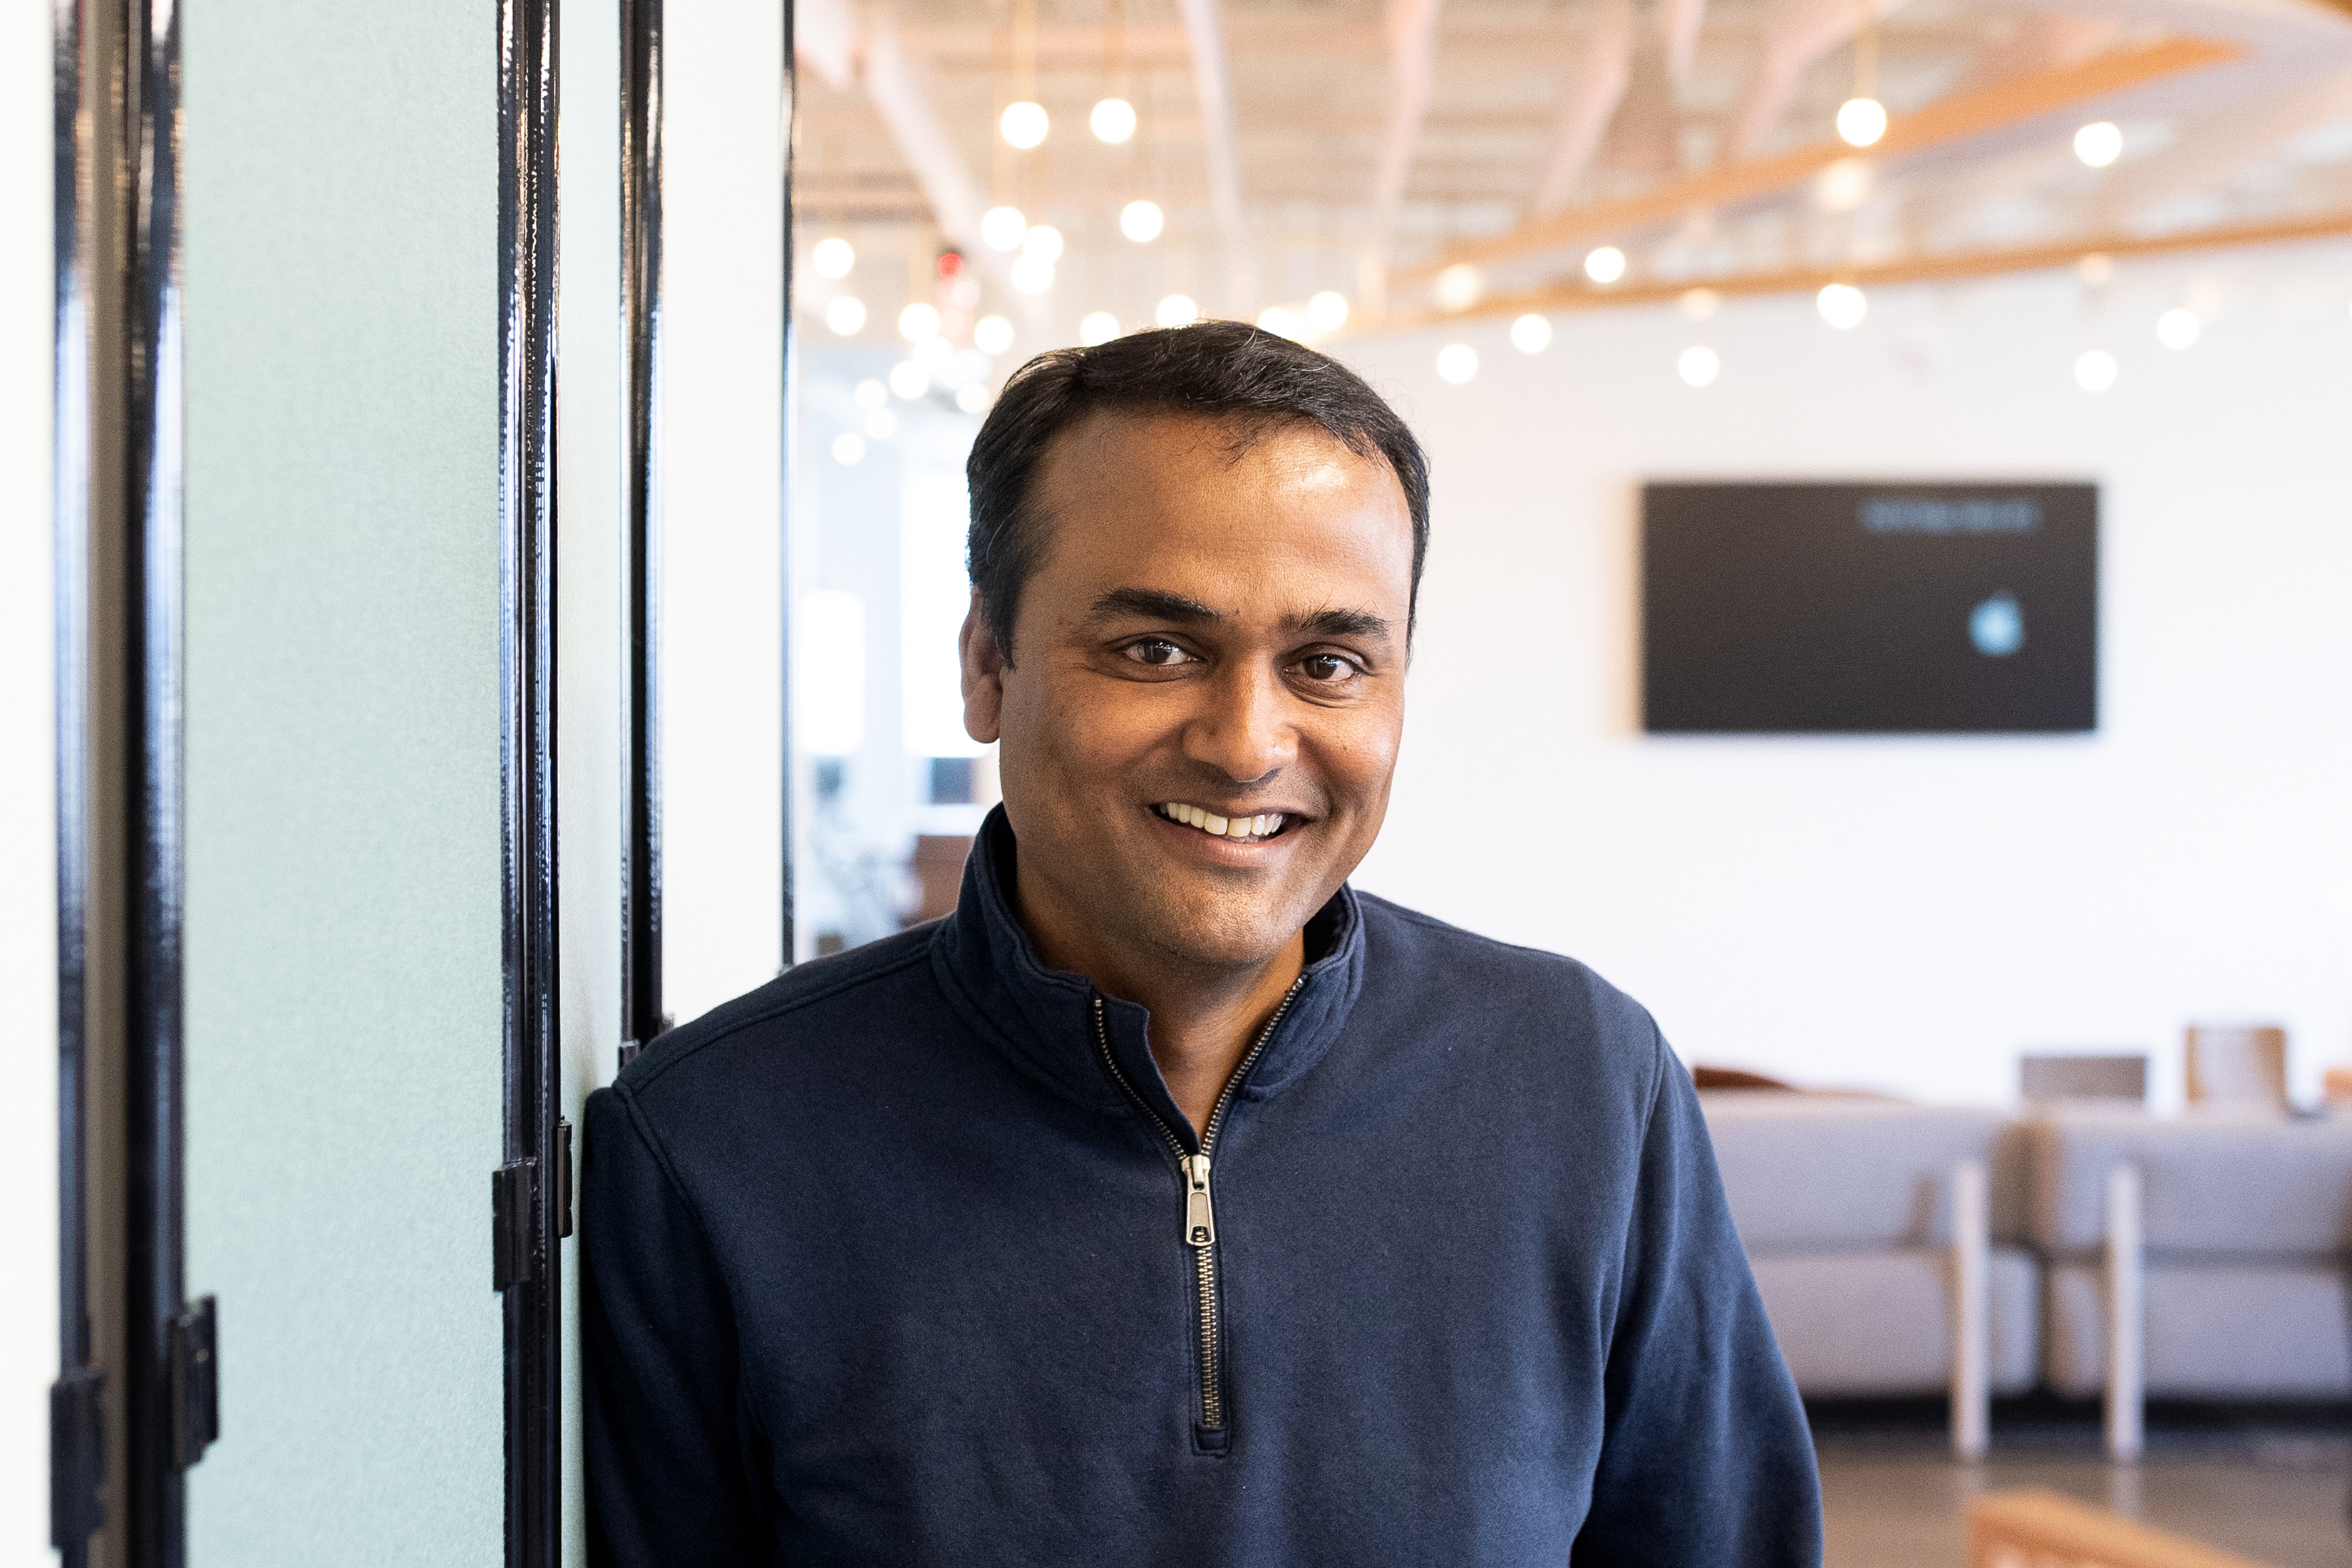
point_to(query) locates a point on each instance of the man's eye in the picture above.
(1325, 666)
(1155, 650)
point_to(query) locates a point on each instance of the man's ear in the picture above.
(983, 675)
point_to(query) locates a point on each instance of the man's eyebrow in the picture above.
(1343, 623)
(1150, 604)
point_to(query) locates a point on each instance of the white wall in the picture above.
(28, 911)
(1908, 912)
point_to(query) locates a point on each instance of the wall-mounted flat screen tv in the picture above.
(1870, 608)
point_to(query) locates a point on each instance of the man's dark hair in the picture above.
(1226, 370)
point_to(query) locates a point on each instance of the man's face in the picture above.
(1219, 633)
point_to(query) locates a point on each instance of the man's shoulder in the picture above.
(853, 983)
(1530, 994)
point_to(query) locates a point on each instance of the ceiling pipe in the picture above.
(1204, 28)
(1595, 86)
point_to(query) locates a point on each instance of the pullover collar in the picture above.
(1044, 1019)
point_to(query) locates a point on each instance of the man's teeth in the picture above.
(1263, 826)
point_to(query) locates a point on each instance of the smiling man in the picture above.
(1172, 1202)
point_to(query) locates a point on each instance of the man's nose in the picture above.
(1243, 727)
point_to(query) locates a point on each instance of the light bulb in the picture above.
(1099, 327)
(1043, 242)
(1141, 221)
(2177, 328)
(871, 393)
(1024, 124)
(1113, 120)
(973, 398)
(1457, 287)
(849, 449)
(2095, 371)
(1001, 228)
(1177, 310)
(908, 380)
(1456, 364)
(1531, 334)
(847, 315)
(1861, 122)
(1698, 365)
(934, 354)
(991, 334)
(1327, 312)
(964, 293)
(918, 321)
(1698, 304)
(1605, 265)
(1280, 323)
(1843, 185)
(1842, 305)
(2099, 143)
(882, 423)
(832, 257)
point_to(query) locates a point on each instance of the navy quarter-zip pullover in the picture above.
(901, 1259)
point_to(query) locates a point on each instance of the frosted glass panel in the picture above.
(343, 985)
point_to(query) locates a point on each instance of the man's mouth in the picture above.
(1254, 829)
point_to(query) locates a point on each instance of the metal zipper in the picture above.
(1200, 1204)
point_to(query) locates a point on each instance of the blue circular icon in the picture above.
(1997, 627)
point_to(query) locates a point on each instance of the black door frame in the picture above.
(119, 609)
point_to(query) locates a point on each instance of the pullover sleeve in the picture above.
(1707, 1460)
(667, 1455)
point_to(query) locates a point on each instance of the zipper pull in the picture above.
(1200, 1214)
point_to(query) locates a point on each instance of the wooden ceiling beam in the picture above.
(1946, 267)
(1947, 119)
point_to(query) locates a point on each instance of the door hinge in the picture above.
(195, 1380)
(514, 1195)
(515, 1198)
(77, 1457)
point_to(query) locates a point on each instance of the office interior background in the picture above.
(780, 266)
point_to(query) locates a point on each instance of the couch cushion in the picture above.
(1879, 1324)
(2213, 1331)
(2217, 1183)
(1809, 1173)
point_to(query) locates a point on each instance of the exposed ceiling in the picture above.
(1365, 145)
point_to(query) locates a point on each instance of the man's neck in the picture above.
(1203, 1019)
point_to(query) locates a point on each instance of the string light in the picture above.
(991, 334)
(2095, 371)
(1024, 125)
(1605, 265)
(973, 398)
(1698, 365)
(1141, 221)
(2099, 143)
(918, 321)
(1698, 304)
(1113, 120)
(1043, 243)
(1456, 364)
(1177, 310)
(1099, 327)
(2177, 328)
(882, 423)
(1861, 122)
(1531, 334)
(849, 449)
(1842, 305)
(1280, 323)
(1327, 312)
(1032, 274)
(832, 257)
(1457, 287)
(1001, 228)
(908, 380)
(847, 315)
(871, 393)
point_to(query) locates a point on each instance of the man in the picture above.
(1171, 1203)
